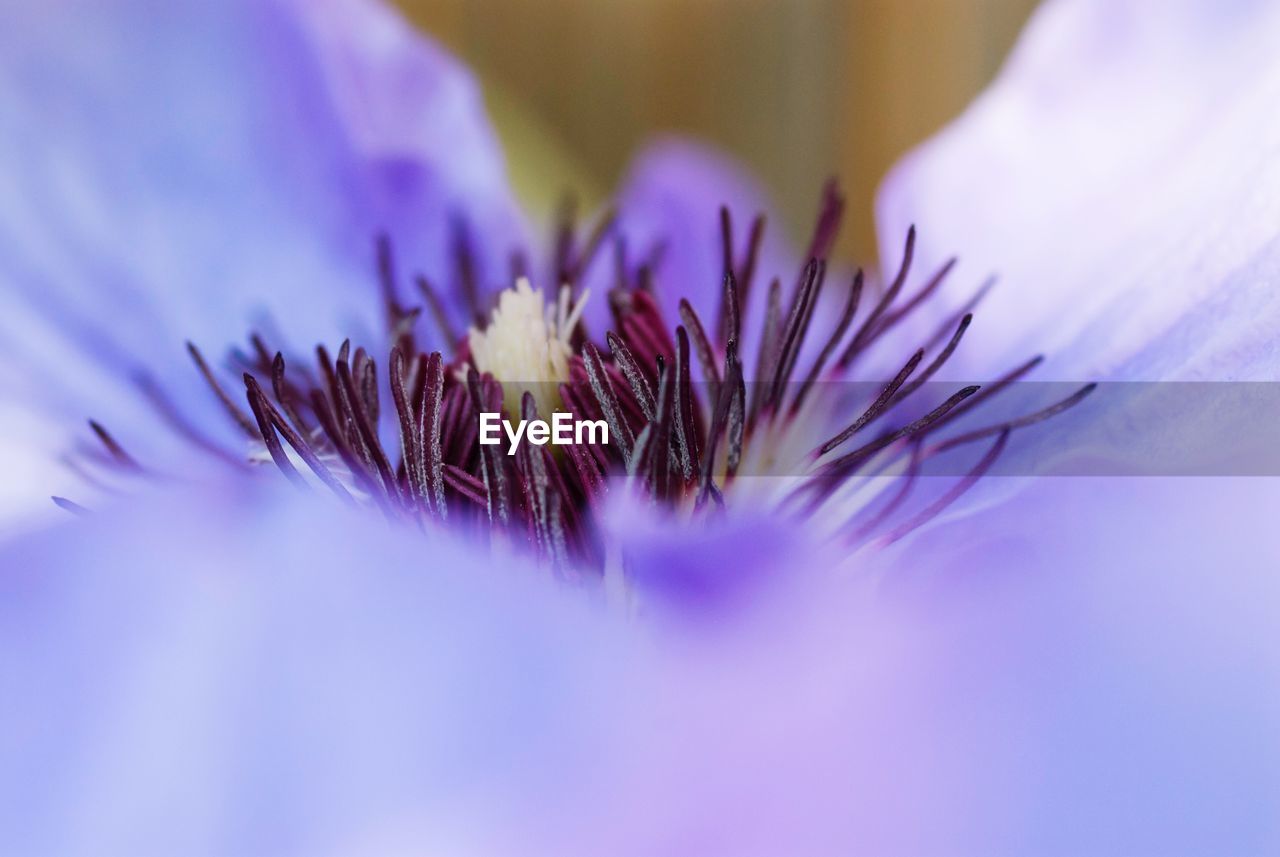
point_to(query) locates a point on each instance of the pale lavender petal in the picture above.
(251, 671)
(248, 672)
(669, 207)
(187, 170)
(1120, 179)
(1108, 649)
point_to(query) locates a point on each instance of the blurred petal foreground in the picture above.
(214, 663)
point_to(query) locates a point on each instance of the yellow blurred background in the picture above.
(797, 89)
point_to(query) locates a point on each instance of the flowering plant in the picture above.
(791, 604)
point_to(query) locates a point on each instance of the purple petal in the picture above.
(669, 208)
(717, 567)
(415, 121)
(193, 675)
(1120, 179)
(248, 672)
(1107, 648)
(187, 170)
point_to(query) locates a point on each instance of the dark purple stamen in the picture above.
(681, 443)
(954, 493)
(868, 329)
(842, 327)
(114, 449)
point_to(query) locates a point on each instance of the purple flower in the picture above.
(445, 648)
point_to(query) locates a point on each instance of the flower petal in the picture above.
(415, 119)
(1119, 178)
(249, 671)
(183, 170)
(193, 674)
(699, 570)
(1107, 648)
(669, 209)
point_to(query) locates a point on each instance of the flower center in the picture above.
(526, 344)
(684, 425)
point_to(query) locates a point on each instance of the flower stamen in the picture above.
(690, 446)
